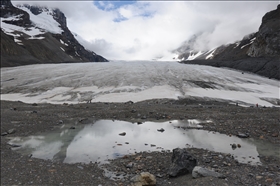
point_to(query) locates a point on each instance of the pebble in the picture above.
(122, 134)
(129, 165)
(242, 135)
(11, 131)
(4, 134)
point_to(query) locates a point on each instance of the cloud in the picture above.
(152, 29)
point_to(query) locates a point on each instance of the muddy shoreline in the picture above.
(261, 123)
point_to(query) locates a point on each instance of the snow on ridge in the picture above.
(44, 20)
(192, 55)
(211, 55)
(43, 23)
(63, 43)
(251, 41)
(11, 30)
(13, 17)
(237, 44)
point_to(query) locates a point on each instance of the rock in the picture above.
(129, 102)
(133, 111)
(129, 165)
(72, 127)
(60, 122)
(139, 123)
(144, 117)
(122, 134)
(144, 179)
(138, 157)
(233, 146)
(204, 172)
(34, 104)
(238, 145)
(242, 135)
(11, 131)
(182, 163)
(160, 130)
(14, 145)
(159, 175)
(4, 134)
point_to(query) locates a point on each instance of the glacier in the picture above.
(122, 81)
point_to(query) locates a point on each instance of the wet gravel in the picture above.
(20, 119)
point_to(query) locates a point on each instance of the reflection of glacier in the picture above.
(50, 146)
(101, 141)
(124, 81)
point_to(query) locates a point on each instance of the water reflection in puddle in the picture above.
(102, 140)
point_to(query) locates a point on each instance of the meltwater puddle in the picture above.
(107, 139)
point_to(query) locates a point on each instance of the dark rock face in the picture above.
(236, 50)
(182, 163)
(7, 10)
(267, 41)
(54, 48)
(264, 66)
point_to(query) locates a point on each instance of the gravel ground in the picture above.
(30, 119)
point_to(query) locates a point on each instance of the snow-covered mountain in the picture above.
(264, 43)
(232, 51)
(31, 34)
(257, 52)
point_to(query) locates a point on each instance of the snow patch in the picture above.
(44, 20)
(62, 49)
(251, 41)
(13, 18)
(11, 29)
(35, 37)
(237, 44)
(211, 55)
(192, 55)
(63, 43)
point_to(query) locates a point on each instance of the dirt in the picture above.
(262, 123)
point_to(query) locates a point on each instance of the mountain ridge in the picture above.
(25, 41)
(257, 52)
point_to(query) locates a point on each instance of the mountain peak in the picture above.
(39, 35)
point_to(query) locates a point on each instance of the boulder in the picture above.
(182, 163)
(144, 179)
(204, 172)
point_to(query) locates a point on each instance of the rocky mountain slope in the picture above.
(257, 52)
(32, 35)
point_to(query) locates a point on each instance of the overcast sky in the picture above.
(137, 30)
